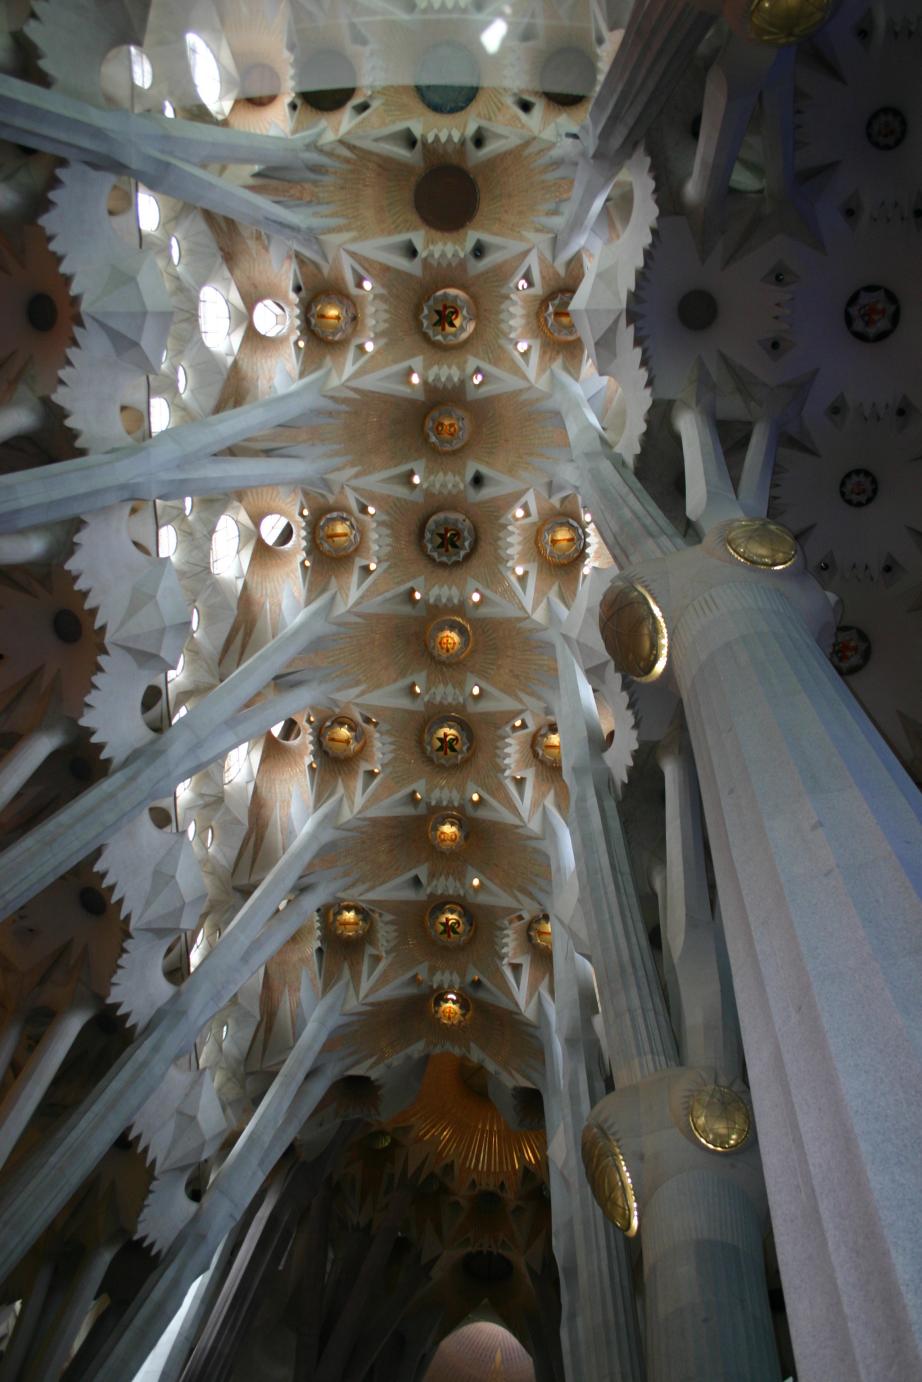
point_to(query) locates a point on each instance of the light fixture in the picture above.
(477, 376)
(415, 479)
(475, 798)
(520, 570)
(520, 512)
(305, 513)
(416, 689)
(416, 595)
(368, 347)
(307, 561)
(370, 510)
(587, 516)
(517, 724)
(300, 342)
(372, 566)
(475, 882)
(523, 285)
(475, 690)
(367, 284)
(521, 347)
(493, 35)
(414, 377)
(417, 796)
(476, 597)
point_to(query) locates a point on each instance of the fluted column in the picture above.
(816, 837)
(704, 1284)
(703, 1012)
(638, 1032)
(599, 1331)
(816, 834)
(633, 527)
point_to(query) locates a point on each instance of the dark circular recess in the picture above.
(42, 312)
(487, 1266)
(447, 78)
(67, 626)
(858, 488)
(329, 80)
(567, 76)
(872, 313)
(92, 901)
(260, 84)
(886, 128)
(697, 309)
(851, 650)
(446, 198)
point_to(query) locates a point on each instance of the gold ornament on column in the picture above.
(609, 1179)
(634, 631)
(759, 542)
(779, 22)
(719, 1118)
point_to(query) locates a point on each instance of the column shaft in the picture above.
(705, 1297)
(816, 836)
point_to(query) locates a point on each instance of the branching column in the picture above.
(816, 836)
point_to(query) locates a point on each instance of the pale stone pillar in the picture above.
(208, 732)
(24, 758)
(705, 1296)
(22, 415)
(702, 1008)
(188, 459)
(41, 544)
(31, 1085)
(291, 1098)
(163, 157)
(816, 836)
(37, 1189)
(638, 1031)
(599, 1333)
(701, 1214)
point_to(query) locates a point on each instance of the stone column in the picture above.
(24, 758)
(214, 726)
(292, 1097)
(599, 1333)
(38, 1188)
(816, 836)
(638, 1032)
(703, 1011)
(188, 459)
(146, 148)
(659, 40)
(31, 1085)
(22, 415)
(698, 1197)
